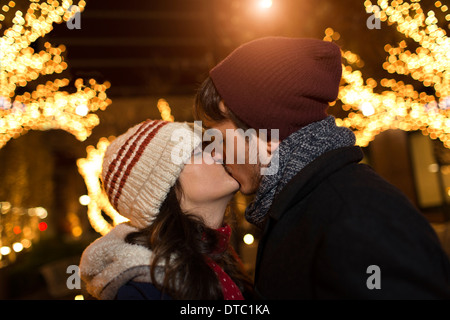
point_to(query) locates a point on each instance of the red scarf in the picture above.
(230, 290)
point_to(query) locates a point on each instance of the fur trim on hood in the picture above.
(109, 262)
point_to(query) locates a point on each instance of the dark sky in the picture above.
(162, 47)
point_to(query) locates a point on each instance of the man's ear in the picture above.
(222, 107)
(272, 145)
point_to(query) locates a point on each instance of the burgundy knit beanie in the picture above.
(280, 83)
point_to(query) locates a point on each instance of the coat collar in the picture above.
(312, 175)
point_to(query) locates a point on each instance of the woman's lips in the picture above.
(228, 170)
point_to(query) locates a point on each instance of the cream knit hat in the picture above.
(141, 166)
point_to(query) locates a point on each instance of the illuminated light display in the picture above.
(46, 107)
(91, 168)
(19, 229)
(400, 106)
(164, 109)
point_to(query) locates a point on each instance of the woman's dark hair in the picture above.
(206, 106)
(179, 242)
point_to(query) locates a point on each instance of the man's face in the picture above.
(242, 167)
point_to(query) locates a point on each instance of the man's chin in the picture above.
(246, 186)
(247, 190)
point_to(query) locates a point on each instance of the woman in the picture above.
(175, 245)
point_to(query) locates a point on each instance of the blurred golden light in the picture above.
(248, 239)
(5, 250)
(82, 110)
(367, 109)
(90, 168)
(265, 4)
(47, 107)
(77, 231)
(17, 247)
(164, 110)
(400, 106)
(26, 243)
(84, 200)
(433, 168)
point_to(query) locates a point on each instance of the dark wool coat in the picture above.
(334, 220)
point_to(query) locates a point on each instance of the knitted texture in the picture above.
(110, 262)
(280, 83)
(138, 167)
(294, 153)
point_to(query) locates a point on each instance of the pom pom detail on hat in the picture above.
(280, 83)
(139, 168)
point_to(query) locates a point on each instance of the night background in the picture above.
(144, 51)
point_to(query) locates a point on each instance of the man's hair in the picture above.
(206, 106)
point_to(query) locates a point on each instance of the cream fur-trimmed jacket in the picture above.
(109, 263)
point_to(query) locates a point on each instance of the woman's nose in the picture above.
(218, 155)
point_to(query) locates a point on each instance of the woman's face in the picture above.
(207, 187)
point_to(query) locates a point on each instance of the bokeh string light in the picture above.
(91, 168)
(19, 229)
(400, 106)
(46, 107)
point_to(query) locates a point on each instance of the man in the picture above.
(333, 228)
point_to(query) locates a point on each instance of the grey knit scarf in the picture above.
(294, 153)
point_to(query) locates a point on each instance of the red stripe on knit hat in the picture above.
(136, 158)
(113, 164)
(122, 164)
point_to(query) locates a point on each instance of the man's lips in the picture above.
(227, 169)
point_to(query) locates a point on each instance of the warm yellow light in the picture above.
(367, 109)
(5, 250)
(26, 243)
(77, 231)
(433, 168)
(265, 4)
(399, 105)
(82, 110)
(90, 168)
(84, 200)
(47, 107)
(79, 297)
(39, 212)
(17, 247)
(165, 110)
(248, 239)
